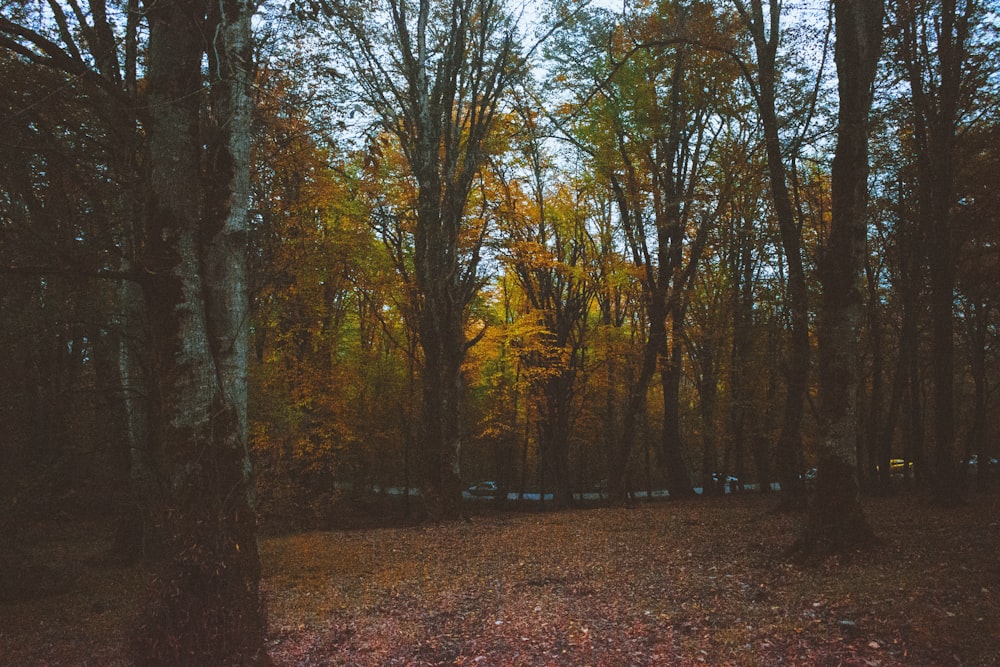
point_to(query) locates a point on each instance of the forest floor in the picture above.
(675, 583)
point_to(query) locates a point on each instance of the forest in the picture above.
(323, 264)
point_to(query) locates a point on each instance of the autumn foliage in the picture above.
(584, 255)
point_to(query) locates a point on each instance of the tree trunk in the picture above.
(790, 440)
(708, 391)
(909, 351)
(441, 115)
(937, 95)
(836, 520)
(671, 444)
(876, 448)
(976, 441)
(443, 343)
(637, 393)
(554, 437)
(741, 420)
(137, 534)
(207, 608)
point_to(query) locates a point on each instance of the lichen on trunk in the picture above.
(205, 606)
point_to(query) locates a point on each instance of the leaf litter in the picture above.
(674, 583)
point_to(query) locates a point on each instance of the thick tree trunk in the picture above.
(554, 427)
(207, 608)
(442, 339)
(836, 520)
(945, 478)
(444, 348)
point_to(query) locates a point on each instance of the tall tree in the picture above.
(186, 250)
(650, 120)
(933, 43)
(551, 256)
(978, 226)
(836, 520)
(208, 609)
(95, 52)
(434, 73)
(764, 27)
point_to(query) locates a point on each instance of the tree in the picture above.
(650, 125)
(208, 608)
(934, 45)
(551, 256)
(92, 130)
(434, 73)
(765, 31)
(978, 226)
(178, 231)
(728, 309)
(836, 521)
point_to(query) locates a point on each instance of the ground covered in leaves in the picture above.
(675, 583)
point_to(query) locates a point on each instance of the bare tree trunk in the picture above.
(554, 426)
(936, 74)
(836, 520)
(765, 32)
(443, 342)
(207, 609)
(671, 444)
(137, 533)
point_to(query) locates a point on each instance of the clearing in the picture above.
(672, 583)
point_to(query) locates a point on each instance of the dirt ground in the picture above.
(703, 581)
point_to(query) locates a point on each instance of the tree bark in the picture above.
(207, 608)
(671, 443)
(443, 343)
(836, 520)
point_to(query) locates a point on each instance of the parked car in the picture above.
(898, 467)
(973, 463)
(728, 479)
(724, 481)
(483, 490)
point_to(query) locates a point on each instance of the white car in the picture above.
(483, 490)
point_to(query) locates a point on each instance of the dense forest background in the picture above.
(575, 249)
(639, 314)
